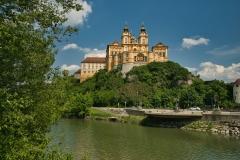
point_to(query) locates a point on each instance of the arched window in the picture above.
(140, 57)
(135, 49)
(143, 40)
(126, 40)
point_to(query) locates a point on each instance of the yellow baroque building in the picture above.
(90, 66)
(134, 52)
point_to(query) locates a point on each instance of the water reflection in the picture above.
(109, 140)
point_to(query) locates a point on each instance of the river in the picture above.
(103, 140)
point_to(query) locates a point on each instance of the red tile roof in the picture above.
(78, 72)
(237, 81)
(94, 60)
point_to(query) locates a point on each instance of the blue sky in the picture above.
(202, 35)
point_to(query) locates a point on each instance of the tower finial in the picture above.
(143, 28)
(125, 28)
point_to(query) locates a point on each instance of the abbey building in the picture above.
(127, 54)
(134, 52)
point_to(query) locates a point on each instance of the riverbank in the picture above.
(228, 127)
(231, 127)
(122, 119)
(114, 114)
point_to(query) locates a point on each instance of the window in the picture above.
(88, 71)
(143, 40)
(236, 85)
(135, 49)
(126, 40)
(84, 72)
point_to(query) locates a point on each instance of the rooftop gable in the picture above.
(115, 43)
(237, 81)
(78, 72)
(94, 60)
(160, 44)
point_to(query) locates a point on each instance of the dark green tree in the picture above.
(30, 98)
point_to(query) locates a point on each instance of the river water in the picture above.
(103, 140)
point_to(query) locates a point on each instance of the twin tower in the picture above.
(134, 52)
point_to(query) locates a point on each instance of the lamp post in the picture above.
(187, 96)
(125, 104)
(137, 99)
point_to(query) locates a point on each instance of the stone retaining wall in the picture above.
(135, 112)
(219, 117)
(231, 127)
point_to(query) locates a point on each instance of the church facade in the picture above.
(134, 52)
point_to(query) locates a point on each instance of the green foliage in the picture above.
(30, 94)
(77, 105)
(156, 85)
(209, 125)
(216, 111)
(97, 113)
(132, 119)
(161, 74)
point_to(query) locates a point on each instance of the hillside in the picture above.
(155, 85)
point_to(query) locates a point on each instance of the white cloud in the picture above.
(70, 46)
(78, 17)
(210, 71)
(72, 67)
(88, 51)
(189, 42)
(191, 69)
(225, 50)
(96, 53)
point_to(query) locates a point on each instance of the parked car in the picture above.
(196, 108)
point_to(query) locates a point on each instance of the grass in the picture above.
(216, 111)
(132, 119)
(96, 113)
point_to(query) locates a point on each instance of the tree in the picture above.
(29, 95)
(77, 105)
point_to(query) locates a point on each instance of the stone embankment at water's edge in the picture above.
(231, 127)
(228, 126)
